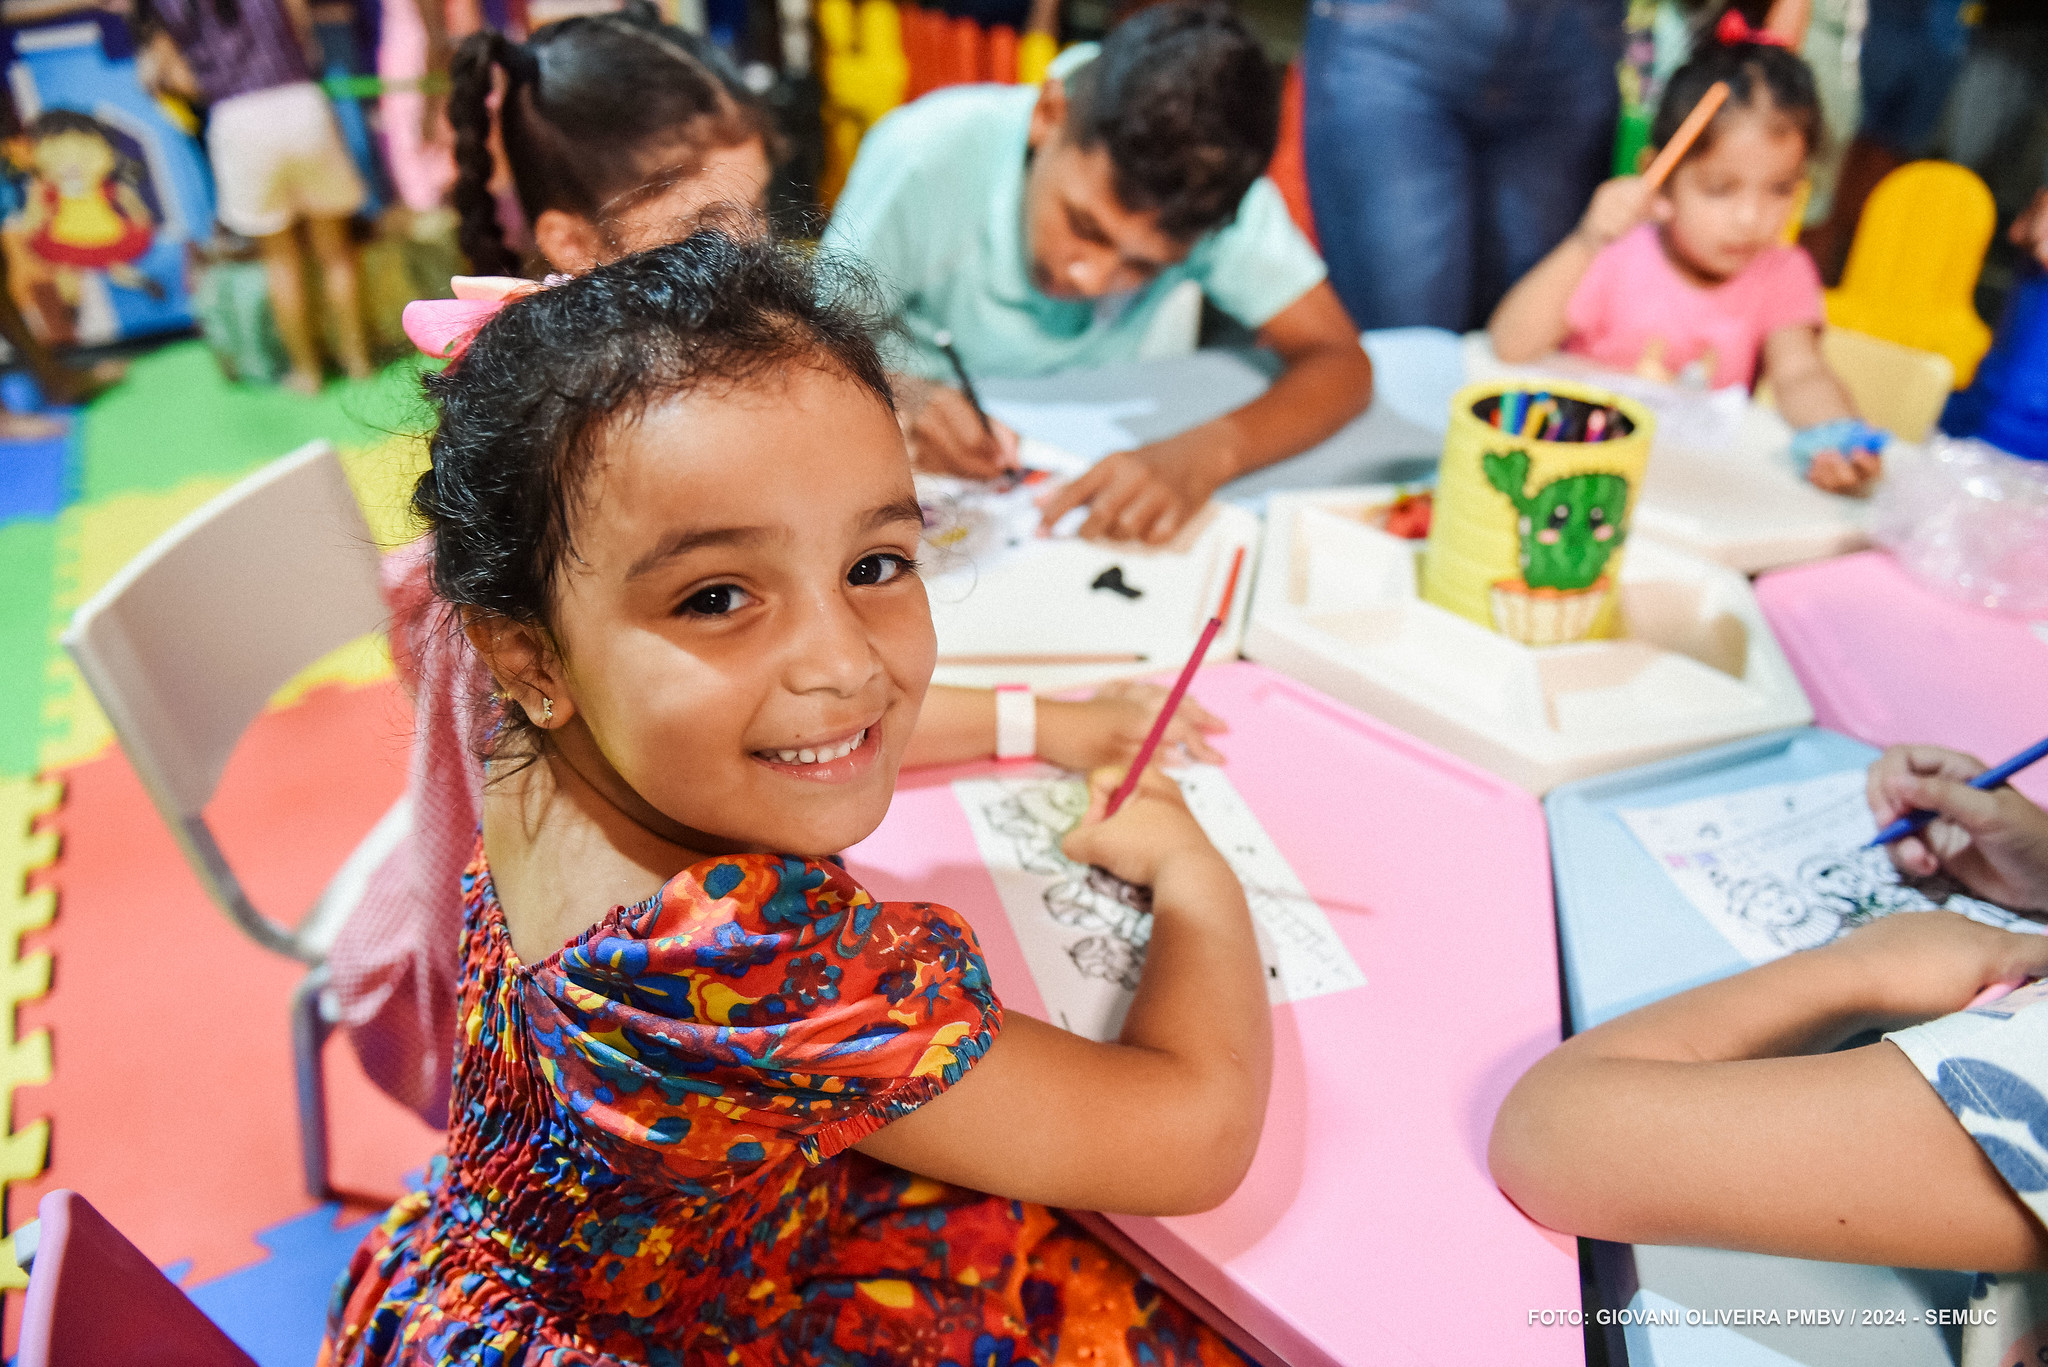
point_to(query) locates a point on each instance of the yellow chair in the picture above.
(1795, 222)
(1899, 388)
(1035, 52)
(1913, 267)
(865, 73)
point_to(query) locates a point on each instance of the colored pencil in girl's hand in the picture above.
(1688, 133)
(1180, 689)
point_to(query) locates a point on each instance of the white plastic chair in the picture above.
(183, 649)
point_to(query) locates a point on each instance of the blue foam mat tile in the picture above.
(37, 478)
(277, 1309)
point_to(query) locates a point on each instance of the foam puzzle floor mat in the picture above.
(154, 1073)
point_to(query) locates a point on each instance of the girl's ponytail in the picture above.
(480, 235)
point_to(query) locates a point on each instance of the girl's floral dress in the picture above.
(648, 1155)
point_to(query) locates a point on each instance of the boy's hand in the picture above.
(1147, 494)
(1618, 206)
(1109, 727)
(1152, 830)
(946, 437)
(1995, 844)
(1917, 965)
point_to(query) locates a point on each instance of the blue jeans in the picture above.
(1451, 144)
(1911, 52)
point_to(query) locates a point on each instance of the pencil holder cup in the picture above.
(1528, 530)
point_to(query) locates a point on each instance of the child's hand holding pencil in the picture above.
(1625, 201)
(1994, 843)
(1151, 836)
(1617, 207)
(947, 435)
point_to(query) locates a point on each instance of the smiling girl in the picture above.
(1694, 280)
(714, 1102)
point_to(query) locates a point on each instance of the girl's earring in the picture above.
(547, 710)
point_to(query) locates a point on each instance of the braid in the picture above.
(481, 235)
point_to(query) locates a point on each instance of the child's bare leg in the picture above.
(336, 254)
(285, 267)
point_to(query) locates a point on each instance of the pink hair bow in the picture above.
(443, 328)
(1734, 30)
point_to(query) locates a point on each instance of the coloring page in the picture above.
(1784, 867)
(972, 524)
(1084, 932)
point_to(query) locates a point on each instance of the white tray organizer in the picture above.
(1336, 606)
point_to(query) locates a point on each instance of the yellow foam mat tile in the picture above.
(24, 1061)
(383, 477)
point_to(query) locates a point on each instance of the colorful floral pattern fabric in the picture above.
(647, 1159)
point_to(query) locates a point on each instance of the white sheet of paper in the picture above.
(1089, 431)
(1084, 933)
(1783, 867)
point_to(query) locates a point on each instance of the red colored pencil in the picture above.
(1180, 689)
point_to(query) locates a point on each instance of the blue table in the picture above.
(1627, 936)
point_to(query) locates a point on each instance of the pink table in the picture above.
(1890, 662)
(1368, 1230)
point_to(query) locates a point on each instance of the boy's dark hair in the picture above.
(587, 103)
(1187, 104)
(524, 411)
(1761, 77)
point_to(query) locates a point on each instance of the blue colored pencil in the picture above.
(1915, 821)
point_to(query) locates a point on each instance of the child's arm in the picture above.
(1810, 397)
(1709, 1120)
(1150, 493)
(958, 726)
(1165, 1120)
(1530, 321)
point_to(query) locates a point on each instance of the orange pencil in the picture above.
(1180, 690)
(1688, 133)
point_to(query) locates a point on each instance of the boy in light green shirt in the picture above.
(1042, 228)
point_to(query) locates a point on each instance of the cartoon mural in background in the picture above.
(104, 193)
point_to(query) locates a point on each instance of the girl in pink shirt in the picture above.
(1693, 281)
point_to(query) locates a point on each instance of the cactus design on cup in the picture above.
(1568, 530)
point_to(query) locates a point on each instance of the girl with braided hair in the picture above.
(616, 132)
